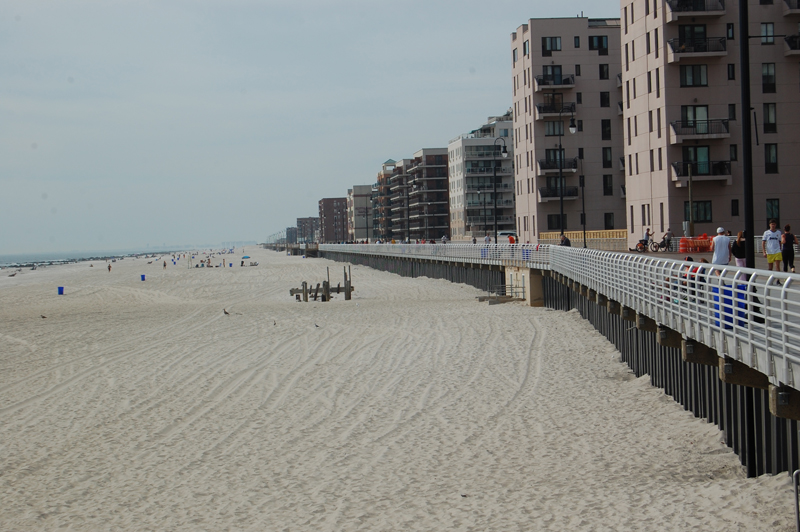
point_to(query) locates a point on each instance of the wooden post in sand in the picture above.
(316, 291)
(305, 292)
(326, 291)
(346, 285)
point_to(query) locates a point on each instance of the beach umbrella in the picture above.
(246, 257)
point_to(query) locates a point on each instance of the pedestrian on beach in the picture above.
(109, 268)
(721, 248)
(771, 245)
(165, 265)
(788, 240)
(738, 250)
(565, 241)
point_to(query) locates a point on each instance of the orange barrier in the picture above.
(683, 247)
(700, 244)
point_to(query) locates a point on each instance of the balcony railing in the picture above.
(487, 187)
(567, 164)
(487, 171)
(696, 46)
(701, 127)
(546, 108)
(696, 6)
(702, 168)
(547, 80)
(792, 4)
(547, 192)
(793, 41)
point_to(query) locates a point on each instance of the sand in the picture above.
(141, 406)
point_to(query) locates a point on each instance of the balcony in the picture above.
(701, 171)
(694, 8)
(487, 187)
(699, 130)
(619, 80)
(554, 82)
(488, 220)
(471, 172)
(551, 167)
(546, 110)
(697, 48)
(622, 191)
(622, 164)
(619, 108)
(791, 7)
(792, 45)
(554, 194)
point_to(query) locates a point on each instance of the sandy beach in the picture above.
(142, 406)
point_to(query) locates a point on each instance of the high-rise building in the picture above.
(429, 215)
(681, 81)
(359, 212)
(307, 229)
(382, 203)
(481, 180)
(566, 78)
(291, 235)
(399, 190)
(332, 220)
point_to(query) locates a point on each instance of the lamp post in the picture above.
(572, 129)
(504, 153)
(583, 206)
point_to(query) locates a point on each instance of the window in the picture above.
(603, 71)
(578, 97)
(650, 120)
(649, 82)
(606, 157)
(765, 2)
(580, 153)
(637, 164)
(655, 40)
(694, 76)
(628, 94)
(658, 122)
(734, 207)
(608, 220)
(636, 126)
(634, 88)
(658, 84)
(734, 152)
(629, 131)
(731, 71)
(647, 42)
(630, 220)
(731, 111)
(580, 125)
(625, 16)
(633, 50)
(577, 70)
(652, 161)
(646, 7)
(770, 158)
(774, 210)
(550, 45)
(768, 77)
(599, 43)
(655, 8)
(526, 48)
(553, 129)
(701, 211)
(605, 99)
(606, 129)
(553, 222)
(660, 165)
(514, 55)
(729, 34)
(627, 58)
(767, 32)
(770, 120)
(608, 185)
(577, 43)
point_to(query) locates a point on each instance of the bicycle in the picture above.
(659, 246)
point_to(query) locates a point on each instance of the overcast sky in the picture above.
(127, 123)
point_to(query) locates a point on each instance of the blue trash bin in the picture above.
(728, 305)
(61, 290)
(142, 277)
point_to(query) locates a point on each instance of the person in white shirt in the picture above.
(771, 245)
(721, 247)
(487, 239)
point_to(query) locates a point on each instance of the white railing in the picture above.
(750, 315)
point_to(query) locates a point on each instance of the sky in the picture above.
(129, 123)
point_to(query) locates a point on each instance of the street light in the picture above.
(504, 153)
(572, 129)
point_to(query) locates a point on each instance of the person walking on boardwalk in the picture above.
(474, 240)
(668, 236)
(721, 248)
(771, 245)
(788, 240)
(487, 239)
(738, 251)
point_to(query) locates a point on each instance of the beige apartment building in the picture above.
(682, 111)
(481, 180)
(382, 202)
(566, 72)
(359, 212)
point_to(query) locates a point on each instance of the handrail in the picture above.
(750, 315)
(716, 126)
(694, 46)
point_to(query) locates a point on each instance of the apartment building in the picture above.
(359, 212)
(332, 220)
(399, 189)
(382, 203)
(428, 197)
(682, 111)
(307, 229)
(291, 235)
(565, 79)
(481, 180)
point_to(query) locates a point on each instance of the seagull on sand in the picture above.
(315, 325)
(226, 312)
(43, 316)
(274, 322)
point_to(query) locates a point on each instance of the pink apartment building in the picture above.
(566, 72)
(682, 112)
